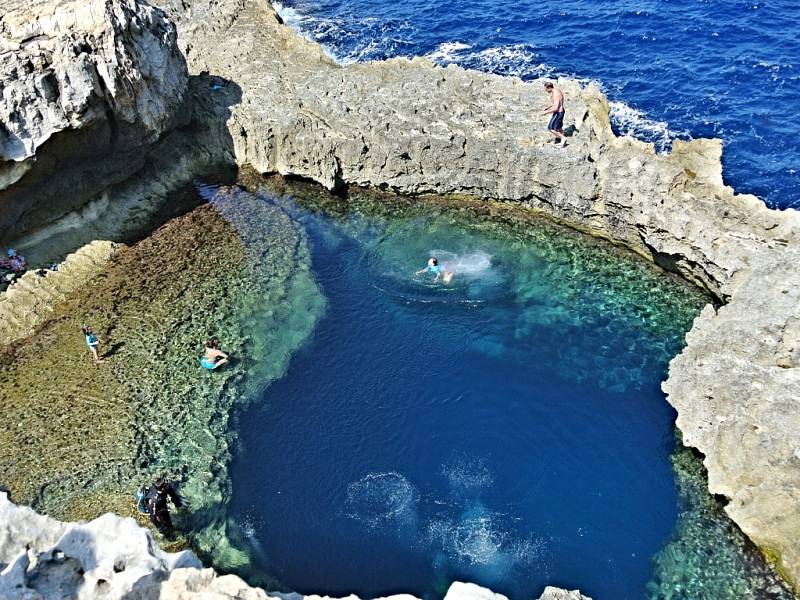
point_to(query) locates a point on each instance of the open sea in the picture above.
(671, 68)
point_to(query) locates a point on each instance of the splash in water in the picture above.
(379, 499)
(469, 265)
(480, 544)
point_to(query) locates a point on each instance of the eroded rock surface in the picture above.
(102, 431)
(110, 557)
(31, 300)
(88, 87)
(415, 127)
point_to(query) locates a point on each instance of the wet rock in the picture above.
(414, 127)
(708, 557)
(32, 299)
(105, 430)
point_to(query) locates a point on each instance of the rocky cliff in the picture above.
(114, 558)
(88, 88)
(414, 127)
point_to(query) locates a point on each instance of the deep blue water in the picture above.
(673, 68)
(507, 429)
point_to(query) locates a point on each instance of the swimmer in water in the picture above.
(213, 357)
(433, 267)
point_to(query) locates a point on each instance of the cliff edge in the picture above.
(414, 127)
(88, 88)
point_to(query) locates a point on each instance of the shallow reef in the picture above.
(78, 439)
(708, 556)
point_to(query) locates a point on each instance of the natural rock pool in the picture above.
(507, 429)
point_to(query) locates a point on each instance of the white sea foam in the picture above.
(635, 123)
(381, 498)
(482, 542)
(448, 52)
(518, 60)
(349, 40)
(468, 474)
(311, 28)
(469, 264)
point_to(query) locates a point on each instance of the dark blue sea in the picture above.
(672, 68)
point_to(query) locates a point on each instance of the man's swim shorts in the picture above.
(556, 121)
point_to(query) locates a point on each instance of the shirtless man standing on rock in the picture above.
(556, 108)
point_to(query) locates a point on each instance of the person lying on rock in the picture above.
(156, 502)
(213, 357)
(93, 343)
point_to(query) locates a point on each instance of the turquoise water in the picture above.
(507, 429)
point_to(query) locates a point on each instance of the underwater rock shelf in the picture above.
(408, 126)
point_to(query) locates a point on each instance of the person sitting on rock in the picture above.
(156, 500)
(213, 357)
(15, 262)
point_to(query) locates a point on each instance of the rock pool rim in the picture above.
(347, 198)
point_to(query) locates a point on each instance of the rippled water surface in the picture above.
(686, 68)
(507, 429)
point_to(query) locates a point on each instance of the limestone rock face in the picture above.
(414, 127)
(110, 557)
(88, 86)
(553, 593)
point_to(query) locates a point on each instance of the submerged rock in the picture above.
(103, 431)
(414, 127)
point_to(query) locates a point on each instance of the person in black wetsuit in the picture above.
(157, 496)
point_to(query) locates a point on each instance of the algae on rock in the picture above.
(237, 269)
(708, 556)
